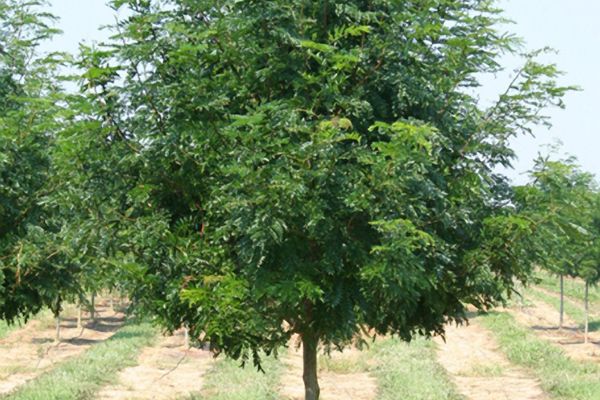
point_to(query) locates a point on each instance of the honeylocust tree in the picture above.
(35, 270)
(319, 170)
(559, 198)
(588, 261)
(88, 178)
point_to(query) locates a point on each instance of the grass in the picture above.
(228, 381)
(7, 371)
(344, 365)
(5, 329)
(571, 310)
(484, 370)
(560, 376)
(44, 317)
(402, 371)
(574, 288)
(81, 377)
(409, 371)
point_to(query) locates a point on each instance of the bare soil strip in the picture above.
(165, 371)
(542, 319)
(31, 350)
(479, 369)
(334, 385)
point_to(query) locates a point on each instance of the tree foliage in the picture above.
(259, 169)
(560, 197)
(563, 200)
(35, 269)
(314, 167)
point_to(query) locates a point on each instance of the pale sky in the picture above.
(571, 27)
(568, 26)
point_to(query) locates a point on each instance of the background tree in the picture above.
(588, 262)
(35, 266)
(311, 168)
(559, 198)
(89, 177)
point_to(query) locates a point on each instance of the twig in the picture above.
(174, 368)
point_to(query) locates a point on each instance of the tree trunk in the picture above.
(112, 303)
(186, 336)
(562, 302)
(93, 308)
(311, 382)
(57, 337)
(585, 337)
(518, 288)
(79, 312)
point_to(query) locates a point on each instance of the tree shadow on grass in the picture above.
(555, 328)
(102, 326)
(82, 341)
(41, 340)
(567, 335)
(594, 325)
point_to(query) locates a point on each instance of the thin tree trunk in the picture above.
(93, 308)
(562, 302)
(311, 382)
(79, 312)
(186, 336)
(112, 303)
(57, 319)
(518, 292)
(585, 340)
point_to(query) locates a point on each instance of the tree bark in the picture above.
(57, 319)
(93, 308)
(186, 336)
(311, 383)
(562, 302)
(79, 312)
(585, 337)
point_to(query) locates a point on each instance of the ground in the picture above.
(494, 357)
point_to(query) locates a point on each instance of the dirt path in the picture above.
(167, 370)
(542, 319)
(334, 385)
(29, 351)
(480, 370)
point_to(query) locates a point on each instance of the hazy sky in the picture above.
(568, 26)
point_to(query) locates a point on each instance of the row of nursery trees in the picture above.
(45, 256)
(564, 201)
(263, 170)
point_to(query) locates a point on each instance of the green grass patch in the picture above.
(402, 371)
(354, 363)
(574, 288)
(559, 375)
(5, 329)
(571, 310)
(44, 317)
(228, 381)
(409, 371)
(484, 370)
(81, 377)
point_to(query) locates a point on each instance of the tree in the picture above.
(86, 191)
(559, 198)
(35, 270)
(319, 169)
(589, 251)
